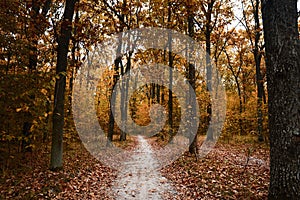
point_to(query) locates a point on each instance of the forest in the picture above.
(150, 99)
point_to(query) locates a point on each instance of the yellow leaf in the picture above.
(43, 91)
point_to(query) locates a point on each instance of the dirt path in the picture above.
(140, 178)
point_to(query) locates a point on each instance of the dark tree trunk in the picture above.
(26, 141)
(283, 76)
(208, 31)
(61, 68)
(170, 102)
(157, 93)
(124, 98)
(259, 78)
(122, 104)
(132, 100)
(240, 106)
(111, 122)
(257, 59)
(192, 81)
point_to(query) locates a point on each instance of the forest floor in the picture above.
(234, 170)
(139, 178)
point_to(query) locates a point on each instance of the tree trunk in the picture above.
(122, 104)
(124, 98)
(240, 104)
(111, 122)
(61, 68)
(192, 80)
(170, 102)
(208, 31)
(238, 85)
(283, 76)
(259, 78)
(157, 93)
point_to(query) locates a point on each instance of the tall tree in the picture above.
(192, 80)
(111, 124)
(125, 16)
(171, 59)
(257, 52)
(283, 76)
(208, 12)
(236, 75)
(254, 33)
(63, 41)
(214, 14)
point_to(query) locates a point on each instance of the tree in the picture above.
(257, 52)
(171, 60)
(214, 14)
(283, 77)
(116, 77)
(192, 80)
(236, 74)
(126, 17)
(254, 34)
(59, 96)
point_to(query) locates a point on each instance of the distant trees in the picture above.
(283, 76)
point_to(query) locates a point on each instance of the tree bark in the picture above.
(283, 76)
(259, 78)
(192, 80)
(208, 31)
(111, 125)
(59, 96)
(124, 98)
(257, 59)
(170, 101)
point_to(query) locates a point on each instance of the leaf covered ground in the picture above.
(83, 177)
(229, 171)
